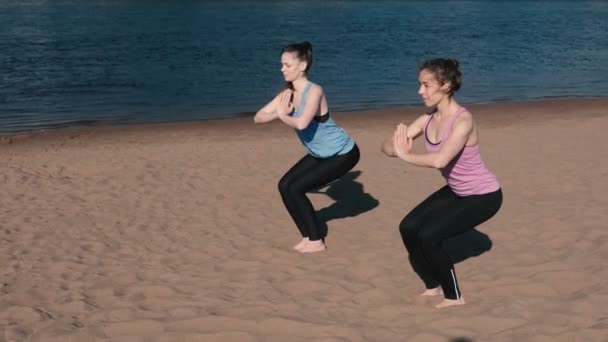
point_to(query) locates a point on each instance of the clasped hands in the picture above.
(402, 144)
(285, 105)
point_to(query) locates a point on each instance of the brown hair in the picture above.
(445, 70)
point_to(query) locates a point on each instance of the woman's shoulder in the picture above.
(315, 88)
(465, 115)
(464, 121)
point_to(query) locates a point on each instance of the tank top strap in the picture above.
(304, 94)
(428, 121)
(448, 127)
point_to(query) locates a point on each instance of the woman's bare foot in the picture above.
(301, 244)
(313, 247)
(450, 302)
(433, 292)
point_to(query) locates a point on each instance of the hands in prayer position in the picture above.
(402, 144)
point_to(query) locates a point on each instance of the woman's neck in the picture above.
(447, 107)
(300, 83)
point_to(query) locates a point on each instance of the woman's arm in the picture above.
(268, 112)
(413, 131)
(461, 131)
(313, 99)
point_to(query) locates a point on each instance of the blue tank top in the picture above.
(322, 138)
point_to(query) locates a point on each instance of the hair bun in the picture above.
(454, 62)
(307, 45)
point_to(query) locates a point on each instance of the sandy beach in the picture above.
(176, 232)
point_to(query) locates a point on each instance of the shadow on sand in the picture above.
(470, 244)
(350, 199)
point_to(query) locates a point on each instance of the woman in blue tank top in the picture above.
(302, 105)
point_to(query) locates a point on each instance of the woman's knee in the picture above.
(284, 185)
(293, 187)
(408, 229)
(428, 239)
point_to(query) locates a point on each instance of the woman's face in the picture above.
(291, 66)
(431, 91)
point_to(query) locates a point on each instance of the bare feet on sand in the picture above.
(433, 292)
(313, 247)
(301, 244)
(450, 302)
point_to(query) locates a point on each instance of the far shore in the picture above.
(532, 110)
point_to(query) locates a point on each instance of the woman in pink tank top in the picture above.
(472, 194)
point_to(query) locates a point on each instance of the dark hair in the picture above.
(303, 52)
(445, 70)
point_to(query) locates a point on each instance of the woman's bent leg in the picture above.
(324, 171)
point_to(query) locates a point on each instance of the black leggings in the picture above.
(308, 174)
(439, 217)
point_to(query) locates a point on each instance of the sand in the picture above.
(176, 232)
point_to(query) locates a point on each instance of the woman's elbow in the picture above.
(389, 153)
(300, 126)
(440, 163)
(387, 150)
(260, 117)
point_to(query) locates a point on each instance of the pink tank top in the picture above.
(466, 174)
